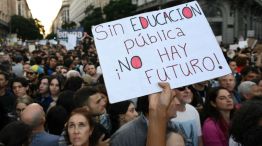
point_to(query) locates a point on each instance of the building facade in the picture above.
(230, 19)
(8, 8)
(77, 10)
(62, 16)
(74, 11)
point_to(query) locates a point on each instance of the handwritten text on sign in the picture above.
(174, 45)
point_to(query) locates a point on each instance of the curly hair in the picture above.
(246, 128)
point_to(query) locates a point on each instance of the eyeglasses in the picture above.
(182, 88)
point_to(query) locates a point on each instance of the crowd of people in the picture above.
(57, 97)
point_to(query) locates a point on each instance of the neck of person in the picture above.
(2, 92)
(54, 97)
(226, 116)
(39, 129)
(45, 94)
(182, 107)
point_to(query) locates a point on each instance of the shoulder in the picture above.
(130, 134)
(210, 124)
(191, 109)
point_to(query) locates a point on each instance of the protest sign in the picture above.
(174, 45)
(31, 48)
(242, 44)
(250, 33)
(233, 47)
(72, 38)
(251, 42)
(62, 35)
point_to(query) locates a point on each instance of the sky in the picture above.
(45, 11)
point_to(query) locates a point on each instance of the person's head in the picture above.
(183, 94)
(20, 86)
(233, 65)
(174, 138)
(143, 106)
(58, 68)
(69, 63)
(26, 67)
(55, 119)
(91, 69)
(72, 73)
(219, 100)
(52, 62)
(84, 59)
(31, 75)
(248, 89)
(4, 77)
(43, 86)
(228, 82)
(66, 100)
(73, 83)
(21, 104)
(16, 133)
(55, 85)
(91, 99)
(250, 73)
(246, 126)
(121, 113)
(34, 116)
(64, 71)
(79, 127)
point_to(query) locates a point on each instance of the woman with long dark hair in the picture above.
(218, 108)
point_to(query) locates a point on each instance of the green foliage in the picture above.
(119, 9)
(69, 25)
(94, 17)
(27, 29)
(50, 36)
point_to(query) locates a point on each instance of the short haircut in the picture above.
(143, 104)
(5, 74)
(82, 95)
(245, 87)
(21, 80)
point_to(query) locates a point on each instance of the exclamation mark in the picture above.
(118, 74)
(220, 67)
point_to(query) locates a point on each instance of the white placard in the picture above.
(242, 44)
(233, 47)
(42, 42)
(72, 38)
(31, 48)
(250, 33)
(174, 45)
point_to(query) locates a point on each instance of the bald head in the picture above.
(33, 115)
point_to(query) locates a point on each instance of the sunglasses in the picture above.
(182, 88)
(30, 73)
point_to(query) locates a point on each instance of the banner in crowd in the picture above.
(174, 45)
(62, 35)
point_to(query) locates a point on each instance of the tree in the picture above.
(119, 9)
(27, 29)
(40, 26)
(50, 36)
(94, 17)
(69, 25)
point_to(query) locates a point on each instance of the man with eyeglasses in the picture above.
(187, 119)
